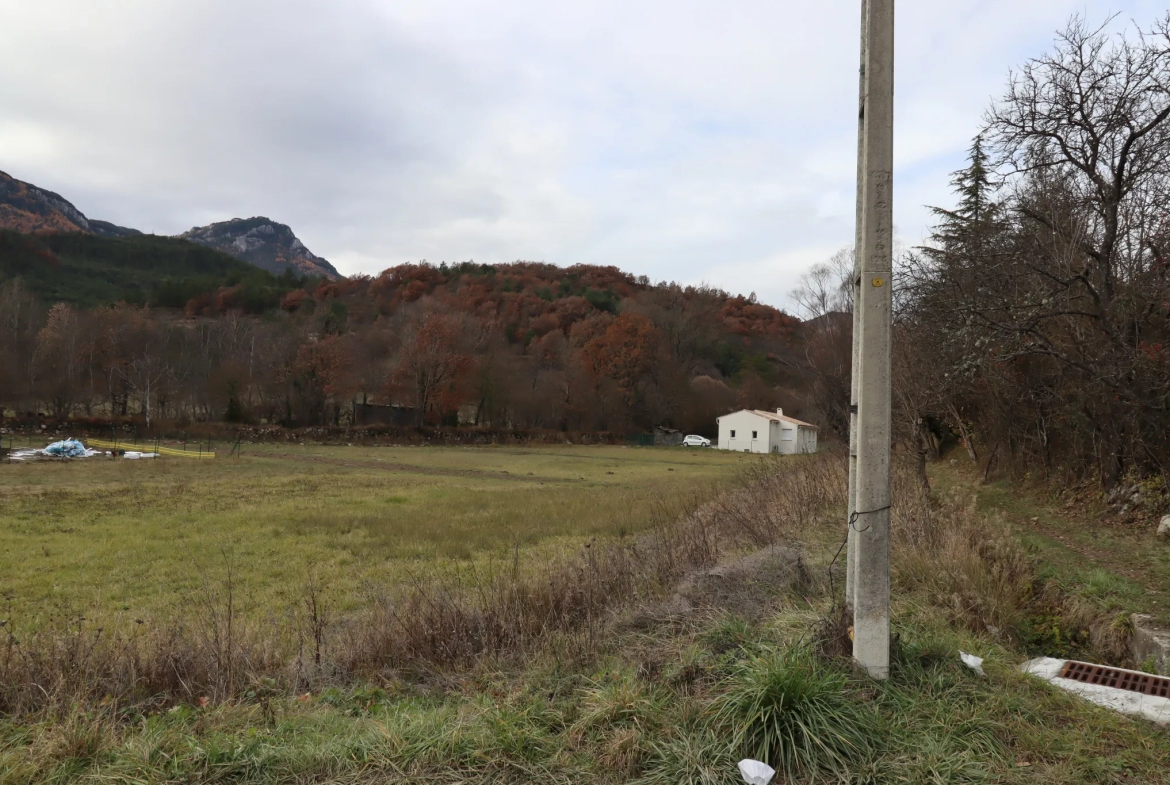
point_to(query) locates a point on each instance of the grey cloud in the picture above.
(683, 140)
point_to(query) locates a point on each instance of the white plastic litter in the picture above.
(756, 773)
(972, 662)
(54, 450)
(69, 448)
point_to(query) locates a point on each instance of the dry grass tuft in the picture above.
(977, 571)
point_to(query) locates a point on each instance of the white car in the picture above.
(696, 441)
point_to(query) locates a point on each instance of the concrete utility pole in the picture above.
(868, 581)
(858, 241)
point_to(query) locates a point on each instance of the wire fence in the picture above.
(201, 450)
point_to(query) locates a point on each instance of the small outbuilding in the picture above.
(667, 437)
(753, 430)
(382, 414)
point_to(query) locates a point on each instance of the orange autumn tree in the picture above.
(434, 357)
(625, 352)
(320, 372)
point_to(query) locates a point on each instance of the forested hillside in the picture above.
(88, 270)
(521, 345)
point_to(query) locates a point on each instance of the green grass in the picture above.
(603, 719)
(794, 712)
(135, 538)
(1118, 568)
(677, 701)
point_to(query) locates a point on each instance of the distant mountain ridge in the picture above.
(29, 209)
(260, 241)
(87, 270)
(265, 243)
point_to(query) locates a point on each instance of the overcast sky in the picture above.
(689, 141)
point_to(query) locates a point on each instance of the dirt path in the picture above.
(1087, 542)
(1124, 555)
(1118, 560)
(408, 468)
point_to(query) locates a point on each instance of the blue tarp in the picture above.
(70, 448)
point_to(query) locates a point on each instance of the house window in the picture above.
(733, 434)
(753, 434)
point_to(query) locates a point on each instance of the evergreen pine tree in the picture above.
(966, 229)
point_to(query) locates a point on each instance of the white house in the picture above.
(752, 430)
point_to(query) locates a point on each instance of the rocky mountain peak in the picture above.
(263, 242)
(27, 208)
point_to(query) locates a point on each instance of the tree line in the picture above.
(1034, 324)
(523, 345)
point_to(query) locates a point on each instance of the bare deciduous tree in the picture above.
(1038, 311)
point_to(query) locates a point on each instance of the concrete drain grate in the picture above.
(1105, 676)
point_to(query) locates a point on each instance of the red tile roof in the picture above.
(781, 418)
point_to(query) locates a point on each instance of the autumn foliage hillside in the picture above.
(523, 345)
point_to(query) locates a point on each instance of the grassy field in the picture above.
(136, 537)
(656, 699)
